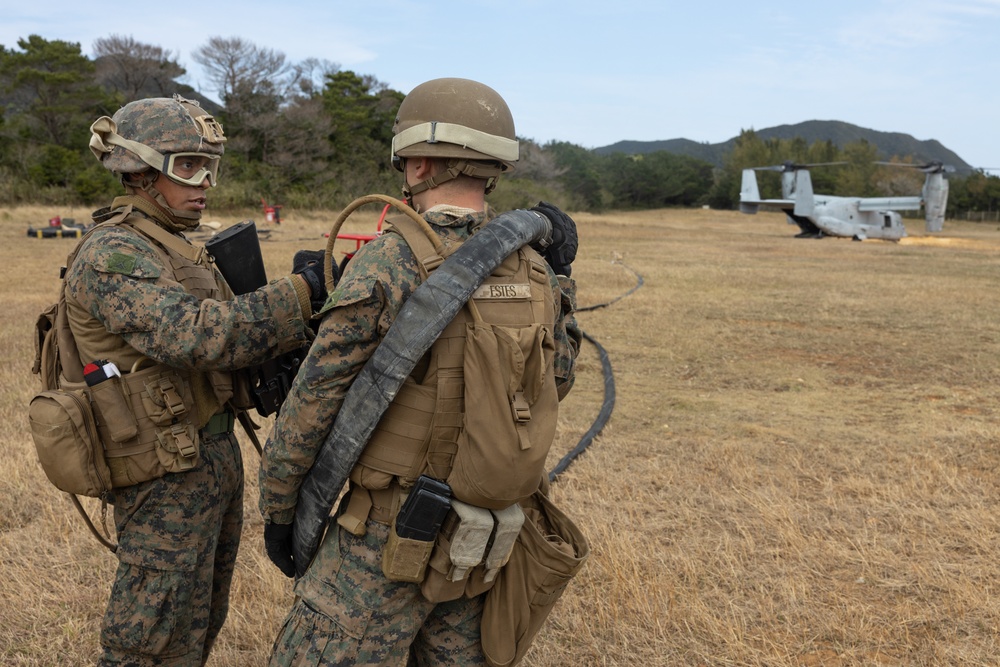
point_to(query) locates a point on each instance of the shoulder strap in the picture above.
(416, 238)
(167, 240)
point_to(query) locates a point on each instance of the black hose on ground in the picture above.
(608, 405)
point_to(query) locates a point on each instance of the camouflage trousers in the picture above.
(177, 542)
(347, 613)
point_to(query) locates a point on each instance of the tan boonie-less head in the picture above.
(463, 121)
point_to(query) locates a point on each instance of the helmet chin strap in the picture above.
(177, 220)
(455, 168)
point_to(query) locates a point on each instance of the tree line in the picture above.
(312, 135)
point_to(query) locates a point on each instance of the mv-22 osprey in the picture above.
(858, 218)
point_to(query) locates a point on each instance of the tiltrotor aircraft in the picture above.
(858, 218)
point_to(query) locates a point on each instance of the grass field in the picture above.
(801, 467)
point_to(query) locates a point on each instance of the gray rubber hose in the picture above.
(420, 321)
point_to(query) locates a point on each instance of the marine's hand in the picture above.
(561, 252)
(309, 265)
(278, 546)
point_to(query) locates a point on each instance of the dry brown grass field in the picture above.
(801, 468)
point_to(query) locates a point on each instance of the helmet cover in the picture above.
(144, 133)
(455, 118)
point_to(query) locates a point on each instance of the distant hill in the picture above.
(889, 144)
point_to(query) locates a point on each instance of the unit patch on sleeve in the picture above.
(121, 263)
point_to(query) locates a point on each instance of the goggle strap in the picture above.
(150, 156)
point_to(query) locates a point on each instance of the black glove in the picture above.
(561, 252)
(278, 546)
(309, 264)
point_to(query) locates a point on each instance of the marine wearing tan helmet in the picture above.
(173, 136)
(463, 121)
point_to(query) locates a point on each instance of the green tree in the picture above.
(749, 150)
(655, 180)
(361, 112)
(50, 92)
(857, 178)
(580, 175)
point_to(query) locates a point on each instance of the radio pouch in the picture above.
(414, 529)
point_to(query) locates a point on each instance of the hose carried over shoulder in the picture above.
(431, 307)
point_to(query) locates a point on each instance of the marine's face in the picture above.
(182, 197)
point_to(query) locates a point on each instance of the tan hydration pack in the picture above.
(496, 355)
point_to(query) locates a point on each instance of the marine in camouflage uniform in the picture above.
(178, 534)
(346, 611)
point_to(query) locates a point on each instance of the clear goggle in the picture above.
(191, 168)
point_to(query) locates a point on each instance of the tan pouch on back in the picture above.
(548, 553)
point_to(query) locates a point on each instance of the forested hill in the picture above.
(889, 144)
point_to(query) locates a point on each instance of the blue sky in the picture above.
(593, 73)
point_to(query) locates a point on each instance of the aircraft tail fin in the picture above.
(749, 194)
(935, 195)
(803, 194)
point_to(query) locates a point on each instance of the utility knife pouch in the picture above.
(111, 409)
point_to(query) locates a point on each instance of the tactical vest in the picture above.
(480, 411)
(189, 266)
(131, 428)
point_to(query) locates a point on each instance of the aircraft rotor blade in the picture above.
(933, 167)
(822, 164)
(788, 165)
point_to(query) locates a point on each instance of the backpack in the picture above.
(62, 420)
(497, 356)
(128, 428)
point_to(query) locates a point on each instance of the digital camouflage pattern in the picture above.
(347, 613)
(346, 604)
(177, 542)
(358, 313)
(178, 535)
(167, 125)
(121, 285)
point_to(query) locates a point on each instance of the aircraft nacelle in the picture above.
(935, 195)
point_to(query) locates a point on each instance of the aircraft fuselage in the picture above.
(855, 218)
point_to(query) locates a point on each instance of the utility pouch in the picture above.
(472, 546)
(459, 549)
(166, 438)
(508, 527)
(469, 540)
(507, 435)
(414, 530)
(111, 409)
(66, 440)
(548, 553)
(405, 559)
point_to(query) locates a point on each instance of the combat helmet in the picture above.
(464, 121)
(159, 132)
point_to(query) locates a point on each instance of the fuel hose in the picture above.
(431, 307)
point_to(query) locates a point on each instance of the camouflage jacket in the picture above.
(376, 283)
(119, 283)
